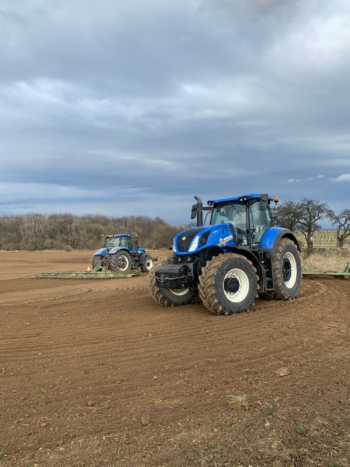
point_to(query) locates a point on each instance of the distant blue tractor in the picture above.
(122, 253)
(228, 263)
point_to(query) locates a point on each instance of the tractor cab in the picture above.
(249, 217)
(118, 240)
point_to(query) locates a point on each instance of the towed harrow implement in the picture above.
(95, 273)
(342, 274)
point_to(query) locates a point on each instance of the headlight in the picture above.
(194, 244)
(174, 245)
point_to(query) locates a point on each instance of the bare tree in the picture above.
(342, 223)
(287, 214)
(32, 231)
(303, 216)
(311, 211)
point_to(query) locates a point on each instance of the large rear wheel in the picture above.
(121, 261)
(286, 268)
(169, 297)
(228, 284)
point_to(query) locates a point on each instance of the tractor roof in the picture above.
(117, 235)
(237, 198)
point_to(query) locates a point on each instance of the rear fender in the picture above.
(115, 250)
(273, 235)
(101, 252)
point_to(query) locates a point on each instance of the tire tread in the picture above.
(279, 292)
(206, 287)
(156, 292)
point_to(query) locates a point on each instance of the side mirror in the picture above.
(194, 211)
(264, 202)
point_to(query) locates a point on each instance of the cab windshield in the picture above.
(236, 215)
(232, 213)
(112, 242)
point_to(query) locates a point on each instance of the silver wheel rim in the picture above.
(293, 269)
(179, 292)
(149, 264)
(123, 263)
(243, 290)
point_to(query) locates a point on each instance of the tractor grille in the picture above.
(184, 239)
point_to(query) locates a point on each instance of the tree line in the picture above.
(35, 231)
(66, 231)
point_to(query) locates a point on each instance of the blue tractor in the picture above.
(230, 262)
(122, 253)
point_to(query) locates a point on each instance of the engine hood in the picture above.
(100, 252)
(193, 240)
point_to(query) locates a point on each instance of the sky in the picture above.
(133, 107)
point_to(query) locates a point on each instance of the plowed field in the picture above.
(95, 373)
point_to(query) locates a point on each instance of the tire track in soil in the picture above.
(65, 292)
(174, 314)
(173, 319)
(112, 343)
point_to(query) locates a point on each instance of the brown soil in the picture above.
(95, 373)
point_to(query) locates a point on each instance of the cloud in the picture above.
(341, 178)
(293, 180)
(116, 107)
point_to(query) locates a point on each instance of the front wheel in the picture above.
(148, 264)
(228, 284)
(286, 268)
(97, 262)
(120, 261)
(169, 297)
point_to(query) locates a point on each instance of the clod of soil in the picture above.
(283, 371)
(145, 420)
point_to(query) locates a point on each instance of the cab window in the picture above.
(260, 221)
(125, 241)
